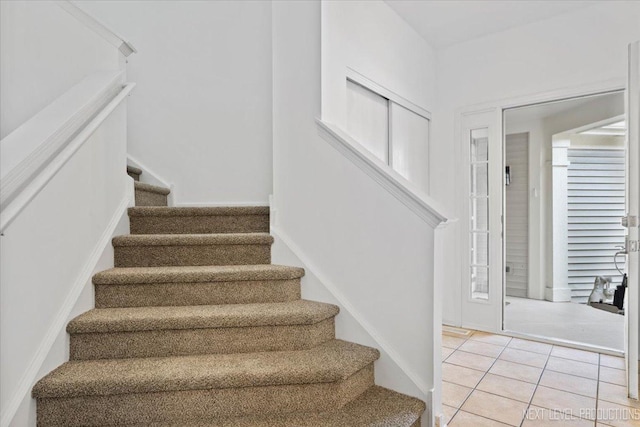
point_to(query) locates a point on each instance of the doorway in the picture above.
(564, 195)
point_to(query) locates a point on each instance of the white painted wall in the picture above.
(370, 38)
(201, 117)
(48, 254)
(44, 51)
(363, 243)
(564, 52)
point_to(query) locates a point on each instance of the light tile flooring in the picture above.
(495, 380)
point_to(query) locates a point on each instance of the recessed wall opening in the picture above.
(564, 195)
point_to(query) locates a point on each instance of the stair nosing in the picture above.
(412, 408)
(134, 170)
(143, 186)
(196, 274)
(203, 239)
(191, 211)
(335, 360)
(309, 313)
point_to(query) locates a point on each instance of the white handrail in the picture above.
(101, 29)
(35, 184)
(416, 200)
(31, 146)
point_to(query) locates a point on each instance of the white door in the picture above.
(633, 212)
(481, 171)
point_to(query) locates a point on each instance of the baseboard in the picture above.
(60, 321)
(557, 294)
(347, 308)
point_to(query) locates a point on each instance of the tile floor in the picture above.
(495, 380)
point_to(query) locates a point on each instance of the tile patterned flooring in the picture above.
(494, 380)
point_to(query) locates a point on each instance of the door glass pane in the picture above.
(480, 283)
(479, 146)
(368, 119)
(479, 179)
(410, 145)
(480, 249)
(479, 214)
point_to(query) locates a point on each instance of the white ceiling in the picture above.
(443, 23)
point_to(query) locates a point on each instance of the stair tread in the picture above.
(142, 186)
(192, 274)
(301, 312)
(192, 239)
(329, 362)
(377, 407)
(197, 211)
(134, 170)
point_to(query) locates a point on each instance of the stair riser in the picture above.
(148, 198)
(181, 294)
(172, 342)
(199, 224)
(135, 176)
(157, 256)
(185, 406)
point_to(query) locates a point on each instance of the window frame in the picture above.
(392, 98)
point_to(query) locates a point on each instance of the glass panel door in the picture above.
(481, 183)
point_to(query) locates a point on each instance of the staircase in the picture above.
(195, 327)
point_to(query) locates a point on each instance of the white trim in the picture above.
(420, 203)
(633, 209)
(369, 84)
(31, 175)
(98, 27)
(560, 94)
(344, 302)
(58, 324)
(30, 146)
(563, 343)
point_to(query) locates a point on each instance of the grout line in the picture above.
(536, 388)
(570, 392)
(537, 385)
(482, 378)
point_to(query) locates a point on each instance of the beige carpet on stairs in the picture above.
(195, 327)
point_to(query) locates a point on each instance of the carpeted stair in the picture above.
(195, 327)
(147, 194)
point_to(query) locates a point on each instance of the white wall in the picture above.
(363, 242)
(44, 51)
(568, 51)
(48, 254)
(201, 117)
(370, 38)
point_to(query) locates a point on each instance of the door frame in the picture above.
(633, 209)
(497, 108)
